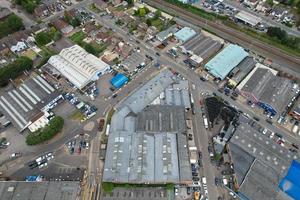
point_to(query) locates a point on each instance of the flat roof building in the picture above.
(25, 104)
(45, 190)
(242, 70)
(165, 34)
(259, 163)
(226, 60)
(185, 34)
(248, 18)
(78, 66)
(147, 143)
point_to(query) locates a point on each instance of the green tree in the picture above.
(130, 2)
(90, 49)
(75, 22)
(43, 38)
(14, 23)
(277, 33)
(14, 69)
(142, 12)
(157, 14)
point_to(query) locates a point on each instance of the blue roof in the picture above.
(290, 184)
(226, 60)
(119, 80)
(185, 34)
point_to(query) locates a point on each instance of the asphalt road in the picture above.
(232, 35)
(202, 139)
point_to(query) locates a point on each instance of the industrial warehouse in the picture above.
(269, 91)
(27, 104)
(225, 61)
(78, 66)
(153, 132)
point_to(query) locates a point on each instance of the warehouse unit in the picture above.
(270, 92)
(78, 66)
(225, 61)
(119, 80)
(200, 48)
(24, 105)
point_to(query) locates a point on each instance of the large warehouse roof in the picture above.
(226, 60)
(45, 190)
(21, 105)
(201, 46)
(78, 66)
(259, 162)
(248, 18)
(263, 84)
(154, 134)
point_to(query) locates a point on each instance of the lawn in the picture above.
(77, 37)
(99, 47)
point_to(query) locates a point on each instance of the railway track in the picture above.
(230, 34)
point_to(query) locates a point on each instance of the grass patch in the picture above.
(77, 37)
(76, 115)
(108, 187)
(109, 116)
(93, 8)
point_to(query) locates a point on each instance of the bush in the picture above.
(108, 187)
(10, 25)
(46, 133)
(14, 69)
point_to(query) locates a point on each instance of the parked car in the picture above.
(101, 124)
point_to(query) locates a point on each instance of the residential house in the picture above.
(100, 4)
(62, 26)
(116, 2)
(142, 27)
(41, 11)
(102, 37)
(89, 27)
(4, 50)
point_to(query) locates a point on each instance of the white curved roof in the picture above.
(78, 66)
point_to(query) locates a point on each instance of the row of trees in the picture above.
(28, 5)
(14, 69)
(10, 25)
(282, 36)
(48, 132)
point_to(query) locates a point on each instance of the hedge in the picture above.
(48, 132)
